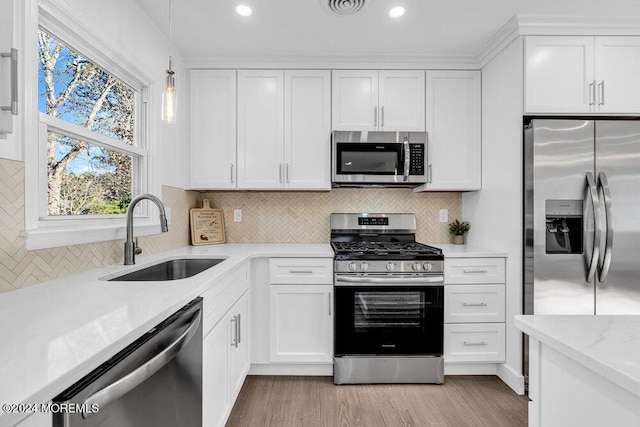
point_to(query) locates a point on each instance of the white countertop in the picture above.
(467, 251)
(56, 332)
(608, 345)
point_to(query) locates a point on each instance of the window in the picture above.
(88, 153)
(92, 173)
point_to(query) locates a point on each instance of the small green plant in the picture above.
(457, 228)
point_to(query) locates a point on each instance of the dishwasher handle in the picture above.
(125, 384)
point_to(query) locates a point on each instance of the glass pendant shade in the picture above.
(169, 100)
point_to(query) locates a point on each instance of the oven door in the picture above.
(388, 319)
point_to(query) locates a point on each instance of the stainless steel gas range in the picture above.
(389, 298)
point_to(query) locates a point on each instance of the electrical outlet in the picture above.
(237, 215)
(444, 215)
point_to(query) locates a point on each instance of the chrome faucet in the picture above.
(131, 248)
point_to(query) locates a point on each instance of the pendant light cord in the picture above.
(170, 34)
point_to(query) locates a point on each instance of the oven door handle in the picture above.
(381, 281)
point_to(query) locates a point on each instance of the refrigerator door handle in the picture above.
(605, 259)
(593, 193)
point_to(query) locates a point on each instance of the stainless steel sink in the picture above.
(174, 269)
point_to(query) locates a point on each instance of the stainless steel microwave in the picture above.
(362, 158)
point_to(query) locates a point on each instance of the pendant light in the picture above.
(169, 96)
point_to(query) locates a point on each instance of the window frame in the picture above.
(41, 230)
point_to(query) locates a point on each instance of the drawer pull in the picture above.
(301, 271)
(475, 271)
(481, 304)
(468, 344)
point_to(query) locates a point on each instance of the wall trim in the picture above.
(511, 378)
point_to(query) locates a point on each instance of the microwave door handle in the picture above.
(407, 158)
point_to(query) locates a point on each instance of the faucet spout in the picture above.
(131, 249)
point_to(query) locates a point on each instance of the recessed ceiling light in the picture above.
(243, 10)
(396, 12)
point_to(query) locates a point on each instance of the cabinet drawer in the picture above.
(301, 271)
(474, 342)
(220, 297)
(460, 271)
(474, 303)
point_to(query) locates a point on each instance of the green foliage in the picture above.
(457, 228)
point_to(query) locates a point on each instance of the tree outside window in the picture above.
(85, 177)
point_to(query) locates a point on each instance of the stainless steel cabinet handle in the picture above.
(280, 173)
(231, 173)
(386, 280)
(375, 116)
(601, 93)
(605, 259)
(301, 271)
(592, 93)
(475, 271)
(234, 323)
(474, 343)
(286, 172)
(330, 301)
(482, 304)
(239, 328)
(13, 54)
(119, 388)
(592, 191)
(382, 117)
(429, 173)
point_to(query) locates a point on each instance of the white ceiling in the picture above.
(206, 29)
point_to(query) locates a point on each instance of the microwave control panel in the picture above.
(417, 159)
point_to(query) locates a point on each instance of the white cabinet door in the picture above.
(260, 129)
(238, 322)
(617, 73)
(212, 130)
(401, 101)
(7, 42)
(301, 323)
(215, 375)
(453, 155)
(355, 100)
(307, 129)
(559, 74)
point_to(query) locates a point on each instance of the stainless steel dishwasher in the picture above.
(156, 381)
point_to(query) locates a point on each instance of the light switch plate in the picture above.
(237, 215)
(444, 215)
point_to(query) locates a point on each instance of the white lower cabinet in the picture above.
(301, 323)
(225, 358)
(474, 310)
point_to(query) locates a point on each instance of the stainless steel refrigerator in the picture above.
(582, 217)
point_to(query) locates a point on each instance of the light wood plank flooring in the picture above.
(316, 401)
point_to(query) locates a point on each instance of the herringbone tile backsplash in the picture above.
(266, 217)
(20, 268)
(304, 216)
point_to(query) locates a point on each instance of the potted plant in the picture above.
(457, 230)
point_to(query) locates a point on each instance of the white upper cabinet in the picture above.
(307, 129)
(368, 100)
(284, 130)
(617, 73)
(582, 75)
(8, 69)
(454, 144)
(260, 129)
(212, 129)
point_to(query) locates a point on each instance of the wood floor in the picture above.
(316, 401)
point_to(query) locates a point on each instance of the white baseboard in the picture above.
(510, 377)
(291, 369)
(470, 369)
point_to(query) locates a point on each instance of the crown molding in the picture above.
(578, 26)
(500, 40)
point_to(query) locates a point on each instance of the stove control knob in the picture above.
(352, 266)
(416, 266)
(364, 266)
(428, 266)
(391, 266)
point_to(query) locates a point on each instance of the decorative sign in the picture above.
(207, 225)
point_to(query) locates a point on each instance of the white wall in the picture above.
(496, 210)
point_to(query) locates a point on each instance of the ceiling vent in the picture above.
(344, 7)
